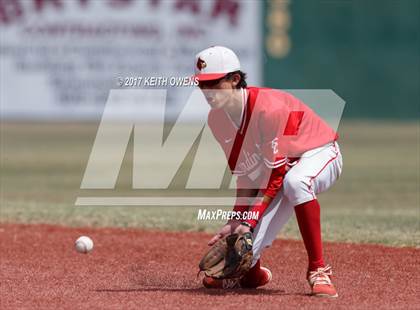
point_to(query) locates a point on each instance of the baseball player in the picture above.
(279, 149)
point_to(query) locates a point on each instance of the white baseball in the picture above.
(83, 244)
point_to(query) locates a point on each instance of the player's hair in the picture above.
(242, 83)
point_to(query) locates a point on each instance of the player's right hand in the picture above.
(224, 231)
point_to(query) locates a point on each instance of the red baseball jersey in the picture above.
(275, 130)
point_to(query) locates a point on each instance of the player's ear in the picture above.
(236, 78)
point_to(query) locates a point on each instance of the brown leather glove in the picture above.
(228, 258)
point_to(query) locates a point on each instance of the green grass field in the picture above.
(375, 201)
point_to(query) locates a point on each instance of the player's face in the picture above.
(218, 92)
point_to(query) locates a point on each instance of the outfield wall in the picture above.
(366, 51)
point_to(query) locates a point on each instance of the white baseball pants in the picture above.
(316, 171)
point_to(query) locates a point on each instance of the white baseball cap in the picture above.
(215, 62)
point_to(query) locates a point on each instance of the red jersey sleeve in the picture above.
(275, 182)
(273, 187)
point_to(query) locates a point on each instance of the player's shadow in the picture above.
(141, 281)
(202, 291)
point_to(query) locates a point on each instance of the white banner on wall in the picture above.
(60, 58)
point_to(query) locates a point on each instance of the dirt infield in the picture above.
(147, 270)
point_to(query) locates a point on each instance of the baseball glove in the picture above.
(230, 257)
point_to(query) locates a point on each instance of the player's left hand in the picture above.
(226, 230)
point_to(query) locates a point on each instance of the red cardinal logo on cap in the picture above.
(201, 64)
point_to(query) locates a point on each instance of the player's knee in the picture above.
(294, 186)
